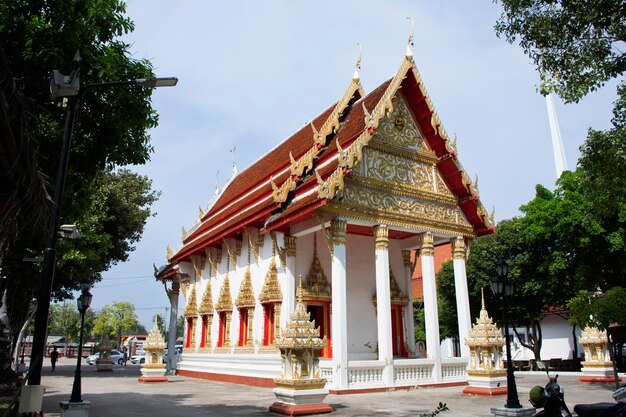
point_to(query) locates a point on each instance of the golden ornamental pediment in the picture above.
(224, 302)
(383, 205)
(206, 306)
(271, 287)
(399, 129)
(316, 286)
(192, 305)
(245, 298)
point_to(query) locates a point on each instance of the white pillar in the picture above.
(462, 294)
(339, 325)
(289, 298)
(171, 339)
(431, 315)
(383, 303)
(410, 322)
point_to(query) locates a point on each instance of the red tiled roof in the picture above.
(248, 198)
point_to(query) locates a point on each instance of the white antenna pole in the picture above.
(557, 142)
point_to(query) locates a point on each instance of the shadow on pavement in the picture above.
(112, 404)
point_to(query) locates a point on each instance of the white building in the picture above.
(341, 204)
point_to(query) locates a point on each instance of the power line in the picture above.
(130, 277)
(122, 284)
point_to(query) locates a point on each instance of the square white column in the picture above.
(431, 314)
(462, 293)
(383, 303)
(339, 325)
(290, 271)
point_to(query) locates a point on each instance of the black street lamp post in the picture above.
(502, 286)
(83, 303)
(66, 86)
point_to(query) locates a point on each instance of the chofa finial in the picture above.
(409, 52)
(357, 67)
(234, 171)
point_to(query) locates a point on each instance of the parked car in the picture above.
(116, 357)
(176, 354)
(140, 358)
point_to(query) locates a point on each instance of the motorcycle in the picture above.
(552, 400)
(604, 409)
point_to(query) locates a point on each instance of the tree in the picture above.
(537, 286)
(111, 221)
(599, 310)
(603, 169)
(577, 45)
(160, 322)
(35, 38)
(180, 326)
(117, 319)
(64, 320)
(420, 321)
(603, 176)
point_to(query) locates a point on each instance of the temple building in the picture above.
(342, 203)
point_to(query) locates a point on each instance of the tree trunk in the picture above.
(535, 340)
(575, 353)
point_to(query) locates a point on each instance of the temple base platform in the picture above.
(300, 402)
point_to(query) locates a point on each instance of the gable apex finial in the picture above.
(234, 171)
(357, 67)
(409, 53)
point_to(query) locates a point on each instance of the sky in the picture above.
(251, 73)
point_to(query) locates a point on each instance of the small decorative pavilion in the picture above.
(486, 375)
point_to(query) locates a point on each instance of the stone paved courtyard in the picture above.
(119, 394)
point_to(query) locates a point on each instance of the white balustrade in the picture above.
(326, 371)
(365, 373)
(453, 369)
(413, 371)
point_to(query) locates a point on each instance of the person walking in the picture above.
(54, 357)
(125, 356)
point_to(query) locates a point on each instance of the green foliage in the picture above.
(598, 310)
(160, 322)
(110, 130)
(536, 287)
(420, 322)
(577, 45)
(603, 168)
(64, 320)
(180, 326)
(568, 248)
(117, 319)
(112, 220)
(440, 408)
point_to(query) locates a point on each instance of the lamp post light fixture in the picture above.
(501, 286)
(66, 86)
(83, 302)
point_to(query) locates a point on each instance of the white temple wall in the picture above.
(258, 279)
(361, 287)
(557, 338)
(397, 264)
